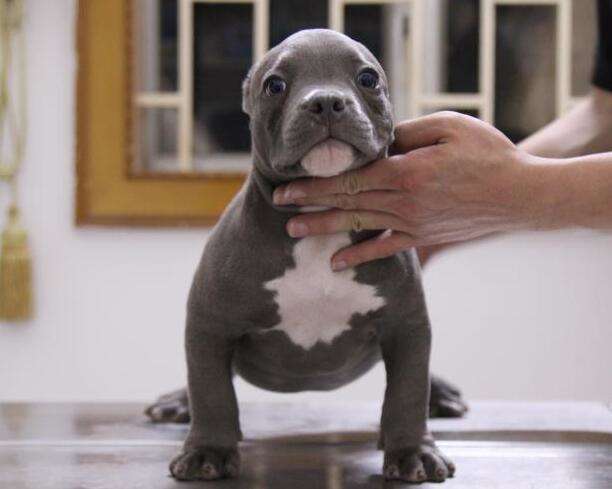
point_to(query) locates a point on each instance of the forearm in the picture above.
(572, 192)
(586, 129)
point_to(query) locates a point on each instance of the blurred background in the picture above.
(527, 316)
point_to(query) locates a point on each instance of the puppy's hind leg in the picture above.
(445, 400)
(172, 407)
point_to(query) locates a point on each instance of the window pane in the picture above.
(364, 23)
(525, 69)
(584, 33)
(223, 53)
(157, 45)
(157, 140)
(382, 29)
(289, 16)
(461, 46)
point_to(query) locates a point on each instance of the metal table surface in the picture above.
(295, 446)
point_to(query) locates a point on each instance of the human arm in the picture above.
(457, 179)
(586, 129)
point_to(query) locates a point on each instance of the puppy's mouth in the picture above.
(328, 158)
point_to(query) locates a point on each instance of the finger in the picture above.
(372, 249)
(380, 175)
(376, 200)
(335, 221)
(424, 131)
(427, 252)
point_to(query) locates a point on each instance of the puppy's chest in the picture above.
(316, 304)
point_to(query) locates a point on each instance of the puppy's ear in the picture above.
(246, 92)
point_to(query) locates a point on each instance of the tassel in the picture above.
(15, 271)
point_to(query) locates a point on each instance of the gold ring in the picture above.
(356, 223)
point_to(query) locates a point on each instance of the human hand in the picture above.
(456, 178)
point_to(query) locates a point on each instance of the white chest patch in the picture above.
(314, 303)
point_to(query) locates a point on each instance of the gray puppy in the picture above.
(268, 306)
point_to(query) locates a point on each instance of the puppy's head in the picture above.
(318, 106)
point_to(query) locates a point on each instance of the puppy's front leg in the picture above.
(410, 452)
(210, 451)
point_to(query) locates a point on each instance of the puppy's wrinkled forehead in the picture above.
(320, 53)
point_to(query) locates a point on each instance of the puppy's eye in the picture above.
(275, 85)
(368, 78)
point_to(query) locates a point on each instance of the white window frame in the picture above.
(418, 101)
(182, 99)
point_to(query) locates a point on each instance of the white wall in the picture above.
(527, 316)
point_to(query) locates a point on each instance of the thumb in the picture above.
(423, 131)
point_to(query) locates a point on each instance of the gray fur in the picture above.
(229, 307)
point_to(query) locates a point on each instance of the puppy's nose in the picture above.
(324, 103)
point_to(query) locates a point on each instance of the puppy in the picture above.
(268, 307)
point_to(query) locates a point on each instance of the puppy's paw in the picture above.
(417, 464)
(206, 463)
(170, 408)
(445, 400)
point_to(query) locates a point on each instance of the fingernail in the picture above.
(338, 266)
(292, 194)
(297, 229)
(277, 196)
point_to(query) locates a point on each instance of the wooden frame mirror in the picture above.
(109, 192)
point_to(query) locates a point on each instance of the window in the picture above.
(162, 139)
